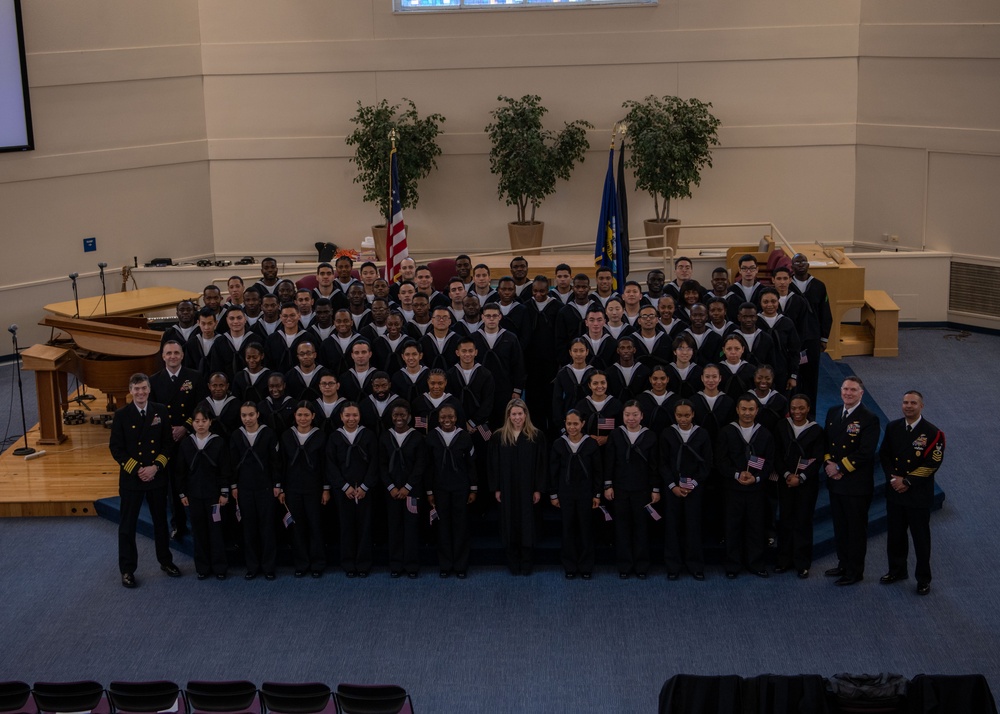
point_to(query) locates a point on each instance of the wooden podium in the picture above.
(50, 365)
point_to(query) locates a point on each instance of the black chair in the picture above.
(700, 694)
(373, 699)
(236, 697)
(295, 698)
(143, 697)
(84, 696)
(14, 697)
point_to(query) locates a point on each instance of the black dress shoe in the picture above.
(202, 576)
(803, 574)
(760, 573)
(641, 576)
(445, 573)
(302, 574)
(413, 576)
(846, 580)
(698, 576)
(395, 574)
(269, 576)
(731, 575)
(317, 573)
(890, 578)
(362, 573)
(570, 576)
(623, 576)
(220, 576)
(128, 580)
(923, 588)
(781, 569)
(171, 570)
(673, 576)
(586, 576)
(350, 574)
(461, 575)
(837, 572)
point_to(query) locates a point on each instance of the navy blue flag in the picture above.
(608, 251)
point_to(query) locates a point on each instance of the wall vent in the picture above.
(975, 289)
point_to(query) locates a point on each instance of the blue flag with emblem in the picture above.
(608, 251)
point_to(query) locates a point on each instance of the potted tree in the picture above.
(416, 144)
(528, 160)
(670, 141)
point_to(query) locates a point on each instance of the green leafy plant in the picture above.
(416, 146)
(669, 141)
(527, 158)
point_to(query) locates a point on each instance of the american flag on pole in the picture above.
(288, 520)
(395, 238)
(755, 462)
(652, 512)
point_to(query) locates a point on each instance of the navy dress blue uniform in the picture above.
(451, 477)
(250, 388)
(139, 440)
(814, 329)
(851, 444)
(203, 477)
(180, 394)
(746, 504)
(686, 463)
(255, 470)
(797, 504)
(575, 478)
(631, 468)
(303, 481)
(914, 456)
(403, 464)
(353, 464)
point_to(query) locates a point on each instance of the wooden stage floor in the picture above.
(67, 479)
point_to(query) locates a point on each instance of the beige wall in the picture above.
(217, 126)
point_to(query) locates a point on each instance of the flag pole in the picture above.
(388, 218)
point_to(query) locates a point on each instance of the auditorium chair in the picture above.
(233, 697)
(373, 699)
(84, 696)
(14, 698)
(143, 697)
(296, 698)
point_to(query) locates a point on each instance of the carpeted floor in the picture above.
(540, 643)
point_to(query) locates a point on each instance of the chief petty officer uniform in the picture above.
(913, 453)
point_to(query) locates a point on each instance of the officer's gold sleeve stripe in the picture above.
(847, 464)
(130, 465)
(161, 459)
(922, 471)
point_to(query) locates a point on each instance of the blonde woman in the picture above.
(517, 477)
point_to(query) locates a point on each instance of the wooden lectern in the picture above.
(50, 365)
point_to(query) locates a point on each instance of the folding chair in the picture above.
(373, 699)
(84, 696)
(296, 698)
(145, 697)
(14, 697)
(235, 697)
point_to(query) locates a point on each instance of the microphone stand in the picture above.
(24, 450)
(104, 288)
(82, 395)
(76, 294)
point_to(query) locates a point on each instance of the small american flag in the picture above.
(239, 516)
(652, 512)
(411, 504)
(607, 514)
(484, 431)
(755, 462)
(216, 513)
(606, 424)
(687, 484)
(288, 520)
(434, 515)
(804, 464)
(419, 422)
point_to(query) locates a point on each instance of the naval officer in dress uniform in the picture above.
(911, 454)
(141, 442)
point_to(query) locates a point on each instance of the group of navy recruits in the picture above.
(682, 403)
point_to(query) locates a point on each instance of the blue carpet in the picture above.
(496, 642)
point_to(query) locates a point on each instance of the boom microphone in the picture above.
(12, 329)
